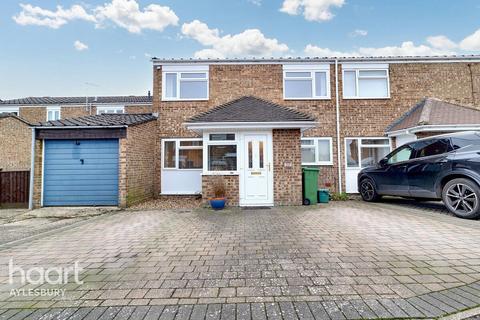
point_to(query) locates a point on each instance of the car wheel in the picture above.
(462, 198)
(368, 191)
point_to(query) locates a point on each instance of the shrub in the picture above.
(339, 196)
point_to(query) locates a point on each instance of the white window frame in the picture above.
(360, 145)
(54, 109)
(312, 69)
(15, 110)
(177, 152)
(365, 67)
(110, 108)
(315, 145)
(186, 69)
(207, 142)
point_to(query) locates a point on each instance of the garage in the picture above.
(96, 160)
(81, 173)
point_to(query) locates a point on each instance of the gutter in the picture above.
(337, 112)
(32, 171)
(82, 127)
(456, 127)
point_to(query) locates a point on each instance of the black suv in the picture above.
(445, 167)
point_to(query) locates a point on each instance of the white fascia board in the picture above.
(448, 127)
(306, 67)
(250, 125)
(364, 65)
(185, 68)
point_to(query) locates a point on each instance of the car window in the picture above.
(465, 141)
(402, 154)
(433, 147)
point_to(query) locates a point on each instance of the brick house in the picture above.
(209, 123)
(14, 130)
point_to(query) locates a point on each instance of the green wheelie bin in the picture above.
(310, 185)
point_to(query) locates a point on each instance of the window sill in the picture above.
(366, 98)
(183, 100)
(221, 173)
(314, 98)
(318, 164)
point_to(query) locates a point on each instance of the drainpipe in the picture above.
(32, 171)
(337, 109)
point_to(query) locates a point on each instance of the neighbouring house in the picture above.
(40, 109)
(256, 122)
(94, 160)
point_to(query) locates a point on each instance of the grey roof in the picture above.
(431, 111)
(156, 60)
(78, 100)
(100, 120)
(250, 109)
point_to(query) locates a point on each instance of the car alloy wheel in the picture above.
(462, 199)
(367, 190)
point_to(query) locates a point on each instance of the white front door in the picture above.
(361, 153)
(256, 171)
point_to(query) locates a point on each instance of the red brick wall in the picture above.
(231, 182)
(287, 168)
(15, 144)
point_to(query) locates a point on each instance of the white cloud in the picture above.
(441, 42)
(313, 10)
(123, 13)
(37, 16)
(80, 46)
(471, 42)
(256, 2)
(127, 14)
(407, 48)
(359, 33)
(250, 42)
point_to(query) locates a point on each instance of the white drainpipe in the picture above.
(32, 171)
(337, 109)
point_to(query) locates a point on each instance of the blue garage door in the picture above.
(80, 173)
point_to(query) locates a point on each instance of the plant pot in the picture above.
(217, 203)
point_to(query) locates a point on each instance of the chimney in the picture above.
(149, 94)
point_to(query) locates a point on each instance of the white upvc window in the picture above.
(111, 109)
(306, 82)
(13, 110)
(221, 150)
(182, 154)
(364, 152)
(366, 81)
(317, 151)
(185, 83)
(53, 113)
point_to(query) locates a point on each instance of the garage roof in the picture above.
(105, 120)
(431, 111)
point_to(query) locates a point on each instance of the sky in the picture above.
(86, 47)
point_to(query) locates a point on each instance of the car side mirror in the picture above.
(383, 162)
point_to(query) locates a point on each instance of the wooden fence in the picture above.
(14, 188)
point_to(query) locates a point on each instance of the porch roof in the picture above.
(250, 110)
(431, 112)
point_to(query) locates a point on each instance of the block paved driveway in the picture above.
(342, 260)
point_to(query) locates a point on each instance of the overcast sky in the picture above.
(76, 48)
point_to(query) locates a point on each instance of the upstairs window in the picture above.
(185, 83)
(306, 82)
(111, 109)
(365, 82)
(13, 110)
(53, 113)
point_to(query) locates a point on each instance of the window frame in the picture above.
(10, 110)
(179, 70)
(312, 69)
(357, 69)
(207, 142)
(317, 151)
(177, 153)
(359, 149)
(54, 109)
(104, 108)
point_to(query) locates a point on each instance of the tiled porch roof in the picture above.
(250, 109)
